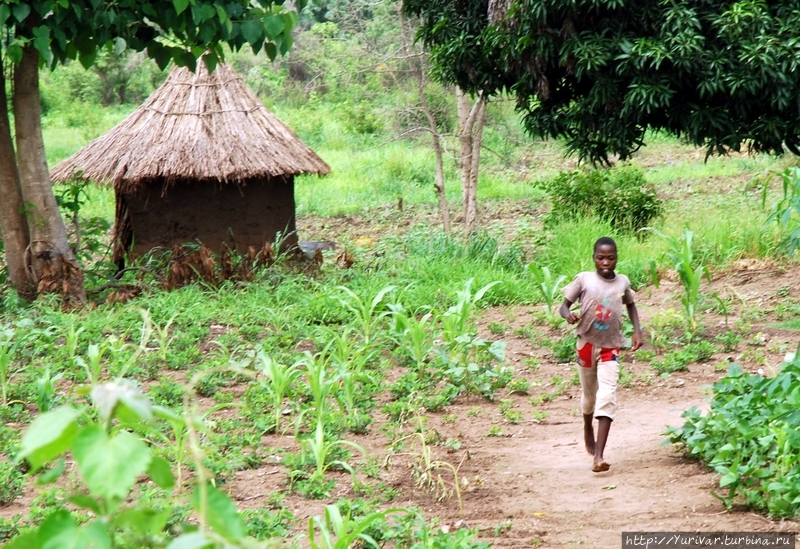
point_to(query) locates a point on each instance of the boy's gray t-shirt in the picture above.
(602, 303)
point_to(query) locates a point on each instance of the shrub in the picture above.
(749, 436)
(620, 196)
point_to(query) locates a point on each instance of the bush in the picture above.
(750, 437)
(620, 196)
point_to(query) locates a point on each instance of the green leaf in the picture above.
(87, 58)
(28, 540)
(120, 45)
(142, 521)
(273, 25)
(161, 473)
(110, 466)
(21, 11)
(222, 515)
(61, 531)
(253, 31)
(195, 540)
(210, 60)
(5, 13)
(49, 435)
(52, 474)
(86, 501)
(180, 5)
(272, 51)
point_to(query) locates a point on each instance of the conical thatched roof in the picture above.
(196, 126)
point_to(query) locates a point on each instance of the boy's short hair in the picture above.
(604, 241)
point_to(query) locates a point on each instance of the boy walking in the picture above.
(601, 294)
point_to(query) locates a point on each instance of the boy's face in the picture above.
(605, 260)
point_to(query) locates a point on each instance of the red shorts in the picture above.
(586, 359)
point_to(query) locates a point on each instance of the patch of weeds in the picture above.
(505, 405)
(626, 377)
(12, 483)
(540, 415)
(532, 363)
(518, 386)
(513, 416)
(263, 524)
(702, 351)
(167, 392)
(311, 487)
(474, 412)
(449, 418)
(677, 361)
(497, 328)
(644, 355)
(495, 431)
(564, 349)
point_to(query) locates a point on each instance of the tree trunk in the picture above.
(470, 132)
(51, 259)
(12, 218)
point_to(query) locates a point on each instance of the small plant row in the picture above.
(750, 437)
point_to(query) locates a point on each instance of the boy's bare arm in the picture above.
(637, 329)
(564, 311)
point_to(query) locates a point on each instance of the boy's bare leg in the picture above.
(603, 427)
(588, 433)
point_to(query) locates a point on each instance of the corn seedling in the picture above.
(413, 333)
(281, 378)
(341, 532)
(681, 256)
(71, 337)
(92, 365)
(366, 314)
(46, 390)
(163, 338)
(548, 286)
(455, 321)
(319, 380)
(320, 450)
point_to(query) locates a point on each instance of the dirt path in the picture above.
(542, 488)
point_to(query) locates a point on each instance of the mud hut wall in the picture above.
(237, 215)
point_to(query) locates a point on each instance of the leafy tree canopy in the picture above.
(599, 73)
(170, 30)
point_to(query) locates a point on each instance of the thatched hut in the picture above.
(201, 160)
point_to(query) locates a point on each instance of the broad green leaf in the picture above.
(87, 58)
(252, 31)
(28, 540)
(210, 60)
(5, 13)
(48, 436)
(195, 540)
(120, 45)
(61, 531)
(110, 466)
(142, 521)
(161, 473)
(222, 515)
(273, 25)
(21, 11)
(180, 5)
(52, 474)
(86, 501)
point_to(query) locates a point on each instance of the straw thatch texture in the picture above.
(196, 126)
